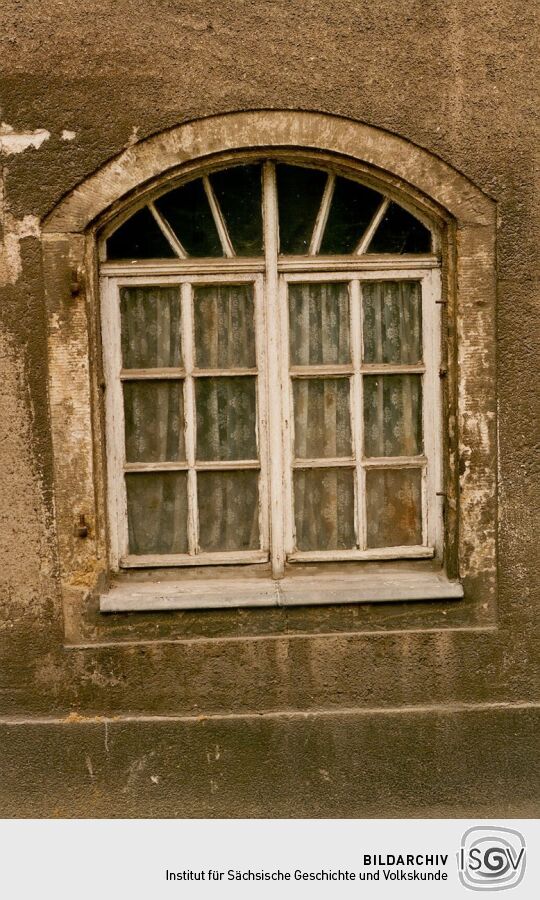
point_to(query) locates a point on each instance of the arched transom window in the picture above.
(271, 344)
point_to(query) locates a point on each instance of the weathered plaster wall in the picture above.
(78, 83)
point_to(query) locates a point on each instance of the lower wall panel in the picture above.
(466, 763)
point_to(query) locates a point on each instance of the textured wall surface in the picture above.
(78, 84)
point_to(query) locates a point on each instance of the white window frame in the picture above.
(270, 278)
(429, 461)
(115, 375)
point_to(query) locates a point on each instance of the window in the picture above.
(271, 348)
(429, 201)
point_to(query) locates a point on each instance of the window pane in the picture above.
(393, 415)
(154, 421)
(238, 191)
(394, 517)
(299, 197)
(324, 509)
(188, 212)
(150, 327)
(352, 209)
(226, 417)
(139, 238)
(157, 512)
(319, 324)
(224, 329)
(392, 322)
(400, 232)
(228, 510)
(322, 422)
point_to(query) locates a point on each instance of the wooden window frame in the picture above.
(270, 278)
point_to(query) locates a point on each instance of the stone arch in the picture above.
(393, 158)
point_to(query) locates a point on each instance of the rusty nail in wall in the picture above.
(81, 528)
(76, 282)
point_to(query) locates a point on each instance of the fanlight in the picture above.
(221, 215)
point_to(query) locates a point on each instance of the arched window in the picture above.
(271, 339)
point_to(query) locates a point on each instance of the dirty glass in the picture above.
(400, 232)
(238, 192)
(150, 327)
(352, 209)
(324, 509)
(188, 212)
(154, 421)
(157, 512)
(322, 420)
(392, 326)
(139, 238)
(393, 415)
(319, 323)
(228, 510)
(226, 418)
(394, 517)
(300, 193)
(224, 327)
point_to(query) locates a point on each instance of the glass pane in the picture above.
(400, 232)
(238, 191)
(322, 422)
(228, 510)
(352, 209)
(226, 417)
(299, 197)
(393, 415)
(188, 212)
(224, 329)
(139, 238)
(319, 324)
(157, 512)
(150, 327)
(392, 322)
(394, 517)
(154, 421)
(324, 509)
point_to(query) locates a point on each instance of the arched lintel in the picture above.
(388, 156)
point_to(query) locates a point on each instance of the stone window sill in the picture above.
(232, 592)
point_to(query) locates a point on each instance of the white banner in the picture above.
(251, 858)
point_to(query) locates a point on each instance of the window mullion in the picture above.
(167, 232)
(357, 409)
(363, 246)
(215, 208)
(190, 414)
(432, 480)
(322, 217)
(112, 361)
(271, 246)
(262, 411)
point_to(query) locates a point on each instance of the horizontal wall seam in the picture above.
(305, 635)
(303, 715)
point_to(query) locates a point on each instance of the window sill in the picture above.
(293, 590)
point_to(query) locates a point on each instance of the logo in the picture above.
(491, 859)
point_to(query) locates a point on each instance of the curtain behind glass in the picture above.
(154, 419)
(319, 334)
(150, 327)
(226, 417)
(319, 324)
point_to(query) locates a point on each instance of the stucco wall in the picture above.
(80, 83)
